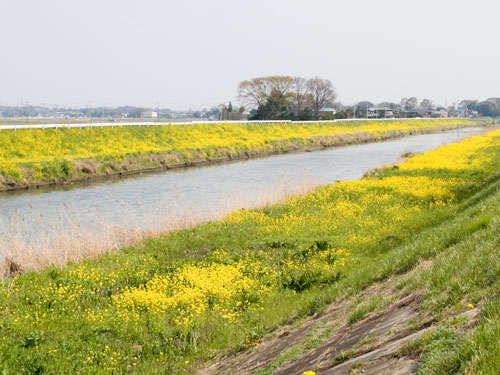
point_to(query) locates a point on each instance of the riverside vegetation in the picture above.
(34, 156)
(174, 302)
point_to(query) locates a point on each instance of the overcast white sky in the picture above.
(193, 53)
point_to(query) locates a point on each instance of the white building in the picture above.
(149, 114)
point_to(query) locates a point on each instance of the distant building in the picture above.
(326, 113)
(413, 113)
(438, 113)
(465, 112)
(376, 112)
(226, 115)
(328, 110)
(230, 114)
(426, 112)
(149, 114)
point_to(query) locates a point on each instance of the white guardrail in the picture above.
(119, 124)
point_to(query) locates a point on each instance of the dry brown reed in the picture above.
(56, 247)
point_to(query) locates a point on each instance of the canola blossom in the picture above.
(35, 155)
(471, 154)
(187, 295)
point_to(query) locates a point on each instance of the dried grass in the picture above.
(60, 245)
(88, 166)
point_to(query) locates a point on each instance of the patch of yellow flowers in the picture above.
(196, 290)
(34, 147)
(365, 211)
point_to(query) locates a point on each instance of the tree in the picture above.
(284, 97)
(277, 106)
(426, 104)
(486, 108)
(409, 103)
(305, 115)
(253, 92)
(389, 105)
(495, 102)
(322, 93)
(300, 94)
(256, 91)
(340, 115)
(467, 104)
(412, 103)
(364, 105)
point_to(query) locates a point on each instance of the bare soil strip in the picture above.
(369, 346)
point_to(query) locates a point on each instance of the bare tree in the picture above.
(389, 105)
(426, 104)
(256, 91)
(409, 103)
(465, 103)
(300, 94)
(253, 92)
(494, 101)
(322, 93)
(281, 84)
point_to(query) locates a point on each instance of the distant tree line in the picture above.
(489, 107)
(408, 107)
(121, 112)
(285, 97)
(273, 98)
(298, 98)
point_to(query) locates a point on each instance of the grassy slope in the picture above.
(465, 271)
(35, 155)
(41, 334)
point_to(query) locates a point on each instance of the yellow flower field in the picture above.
(221, 286)
(32, 155)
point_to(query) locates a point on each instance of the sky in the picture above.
(193, 53)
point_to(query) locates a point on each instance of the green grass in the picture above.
(365, 308)
(44, 316)
(345, 355)
(467, 272)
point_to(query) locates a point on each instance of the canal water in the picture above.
(179, 197)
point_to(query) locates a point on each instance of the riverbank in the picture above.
(175, 302)
(73, 155)
(90, 218)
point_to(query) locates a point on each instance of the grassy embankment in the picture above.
(176, 301)
(36, 156)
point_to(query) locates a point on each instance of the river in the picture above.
(177, 198)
